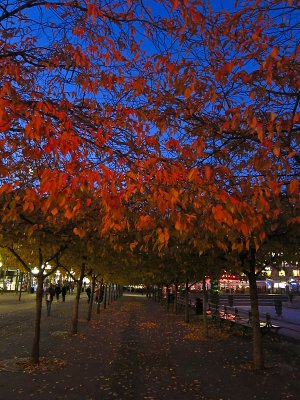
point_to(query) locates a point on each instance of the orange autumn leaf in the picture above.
(244, 229)
(79, 232)
(133, 245)
(68, 214)
(294, 186)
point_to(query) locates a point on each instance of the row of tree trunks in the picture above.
(257, 344)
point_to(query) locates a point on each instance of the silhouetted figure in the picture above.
(50, 292)
(57, 291)
(88, 291)
(64, 292)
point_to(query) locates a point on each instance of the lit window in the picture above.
(281, 272)
(296, 272)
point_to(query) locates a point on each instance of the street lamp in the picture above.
(35, 271)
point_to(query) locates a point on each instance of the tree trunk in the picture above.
(105, 296)
(89, 316)
(108, 295)
(100, 293)
(112, 293)
(205, 326)
(168, 299)
(21, 283)
(186, 309)
(35, 353)
(175, 305)
(258, 356)
(29, 278)
(74, 321)
(17, 281)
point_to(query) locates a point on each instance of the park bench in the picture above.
(267, 326)
(235, 321)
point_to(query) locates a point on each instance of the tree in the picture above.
(188, 120)
(34, 252)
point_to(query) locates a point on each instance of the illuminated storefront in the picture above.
(12, 279)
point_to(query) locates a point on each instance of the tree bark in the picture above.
(186, 309)
(108, 295)
(90, 309)
(175, 305)
(74, 321)
(258, 355)
(35, 352)
(21, 283)
(205, 325)
(17, 281)
(167, 298)
(29, 278)
(100, 292)
(105, 296)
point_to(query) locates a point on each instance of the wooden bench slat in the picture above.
(236, 321)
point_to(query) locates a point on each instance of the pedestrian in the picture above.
(57, 291)
(64, 292)
(97, 294)
(50, 292)
(88, 291)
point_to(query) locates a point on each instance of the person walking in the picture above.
(97, 294)
(50, 292)
(64, 292)
(57, 291)
(88, 291)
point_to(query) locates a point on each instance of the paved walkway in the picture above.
(289, 320)
(134, 350)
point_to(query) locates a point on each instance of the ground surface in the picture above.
(135, 350)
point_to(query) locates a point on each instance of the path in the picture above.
(136, 351)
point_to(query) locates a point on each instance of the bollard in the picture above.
(199, 307)
(278, 307)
